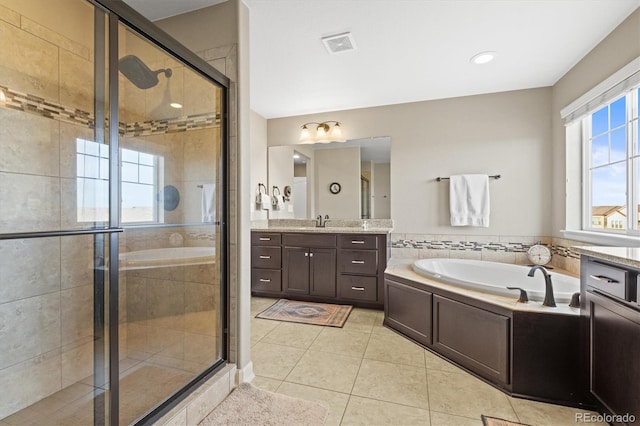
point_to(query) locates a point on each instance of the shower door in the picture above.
(112, 295)
(170, 265)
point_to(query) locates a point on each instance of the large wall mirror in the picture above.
(345, 180)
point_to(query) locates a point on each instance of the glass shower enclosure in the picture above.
(112, 215)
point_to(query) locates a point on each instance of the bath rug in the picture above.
(307, 313)
(248, 405)
(493, 421)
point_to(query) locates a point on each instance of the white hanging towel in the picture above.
(208, 202)
(263, 200)
(469, 200)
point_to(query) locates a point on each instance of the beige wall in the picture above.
(258, 169)
(619, 48)
(381, 191)
(507, 133)
(281, 175)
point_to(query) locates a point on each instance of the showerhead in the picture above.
(139, 73)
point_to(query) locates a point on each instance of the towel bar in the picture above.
(446, 178)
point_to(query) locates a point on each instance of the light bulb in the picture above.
(336, 132)
(305, 135)
(321, 133)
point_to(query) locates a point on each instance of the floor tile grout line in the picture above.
(513, 408)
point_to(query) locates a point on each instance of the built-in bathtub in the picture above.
(462, 311)
(494, 277)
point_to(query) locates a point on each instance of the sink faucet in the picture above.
(320, 223)
(548, 291)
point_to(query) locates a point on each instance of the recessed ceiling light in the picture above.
(483, 57)
(296, 156)
(175, 105)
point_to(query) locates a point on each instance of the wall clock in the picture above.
(539, 254)
(335, 187)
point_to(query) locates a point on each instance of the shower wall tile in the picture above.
(29, 64)
(76, 81)
(168, 90)
(205, 274)
(199, 95)
(9, 16)
(76, 263)
(55, 38)
(37, 317)
(136, 300)
(29, 382)
(29, 203)
(201, 308)
(28, 144)
(22, 278)
(69, 134)
(219, 52)
(165, 342)
(499, 256)
(165, 304)
(77, 313)
(77, 362)
(201, 348)
(200, 155)
(219, 64)
(137, 341)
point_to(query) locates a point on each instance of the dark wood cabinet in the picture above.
(408, 310)
(473, 337)
(296, 270)
(322, 272)
(324, 267)
(525, 353)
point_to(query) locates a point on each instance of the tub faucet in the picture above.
(548, 286)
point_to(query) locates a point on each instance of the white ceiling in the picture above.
(159, 9)
(410, 50)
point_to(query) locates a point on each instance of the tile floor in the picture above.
(368, 375)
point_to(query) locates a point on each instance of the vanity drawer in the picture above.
(309, 240)
(265, 239)
(358, 242)
(266, 257)
(266, 280)
(608, 279)
(357, 288)
(358, 262)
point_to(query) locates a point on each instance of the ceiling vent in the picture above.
(339, 43)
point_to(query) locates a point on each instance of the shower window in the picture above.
(139, 176)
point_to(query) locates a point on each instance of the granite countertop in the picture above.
(629, 256)
(334, 226)
(320, 230)
(401, 268)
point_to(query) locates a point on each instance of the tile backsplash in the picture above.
(496, 248)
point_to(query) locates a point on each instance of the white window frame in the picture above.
(578, 222)
(632, 184)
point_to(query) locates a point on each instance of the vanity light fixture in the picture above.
(325, 132)
(175, 105)
(483, 57)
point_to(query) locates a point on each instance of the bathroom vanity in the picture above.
(335, 265)
(610, 313)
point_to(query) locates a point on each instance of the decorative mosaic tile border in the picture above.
(516, 247)
(503, 247)
(19, 101)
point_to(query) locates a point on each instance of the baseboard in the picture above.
(245, 374)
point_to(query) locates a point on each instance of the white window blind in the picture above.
(620, 82)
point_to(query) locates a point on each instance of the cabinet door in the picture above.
(408, 310)
(296, 270)
(614, 347)
(323, 272)
(473, 337)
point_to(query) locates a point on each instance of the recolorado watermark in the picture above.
(605, 418)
